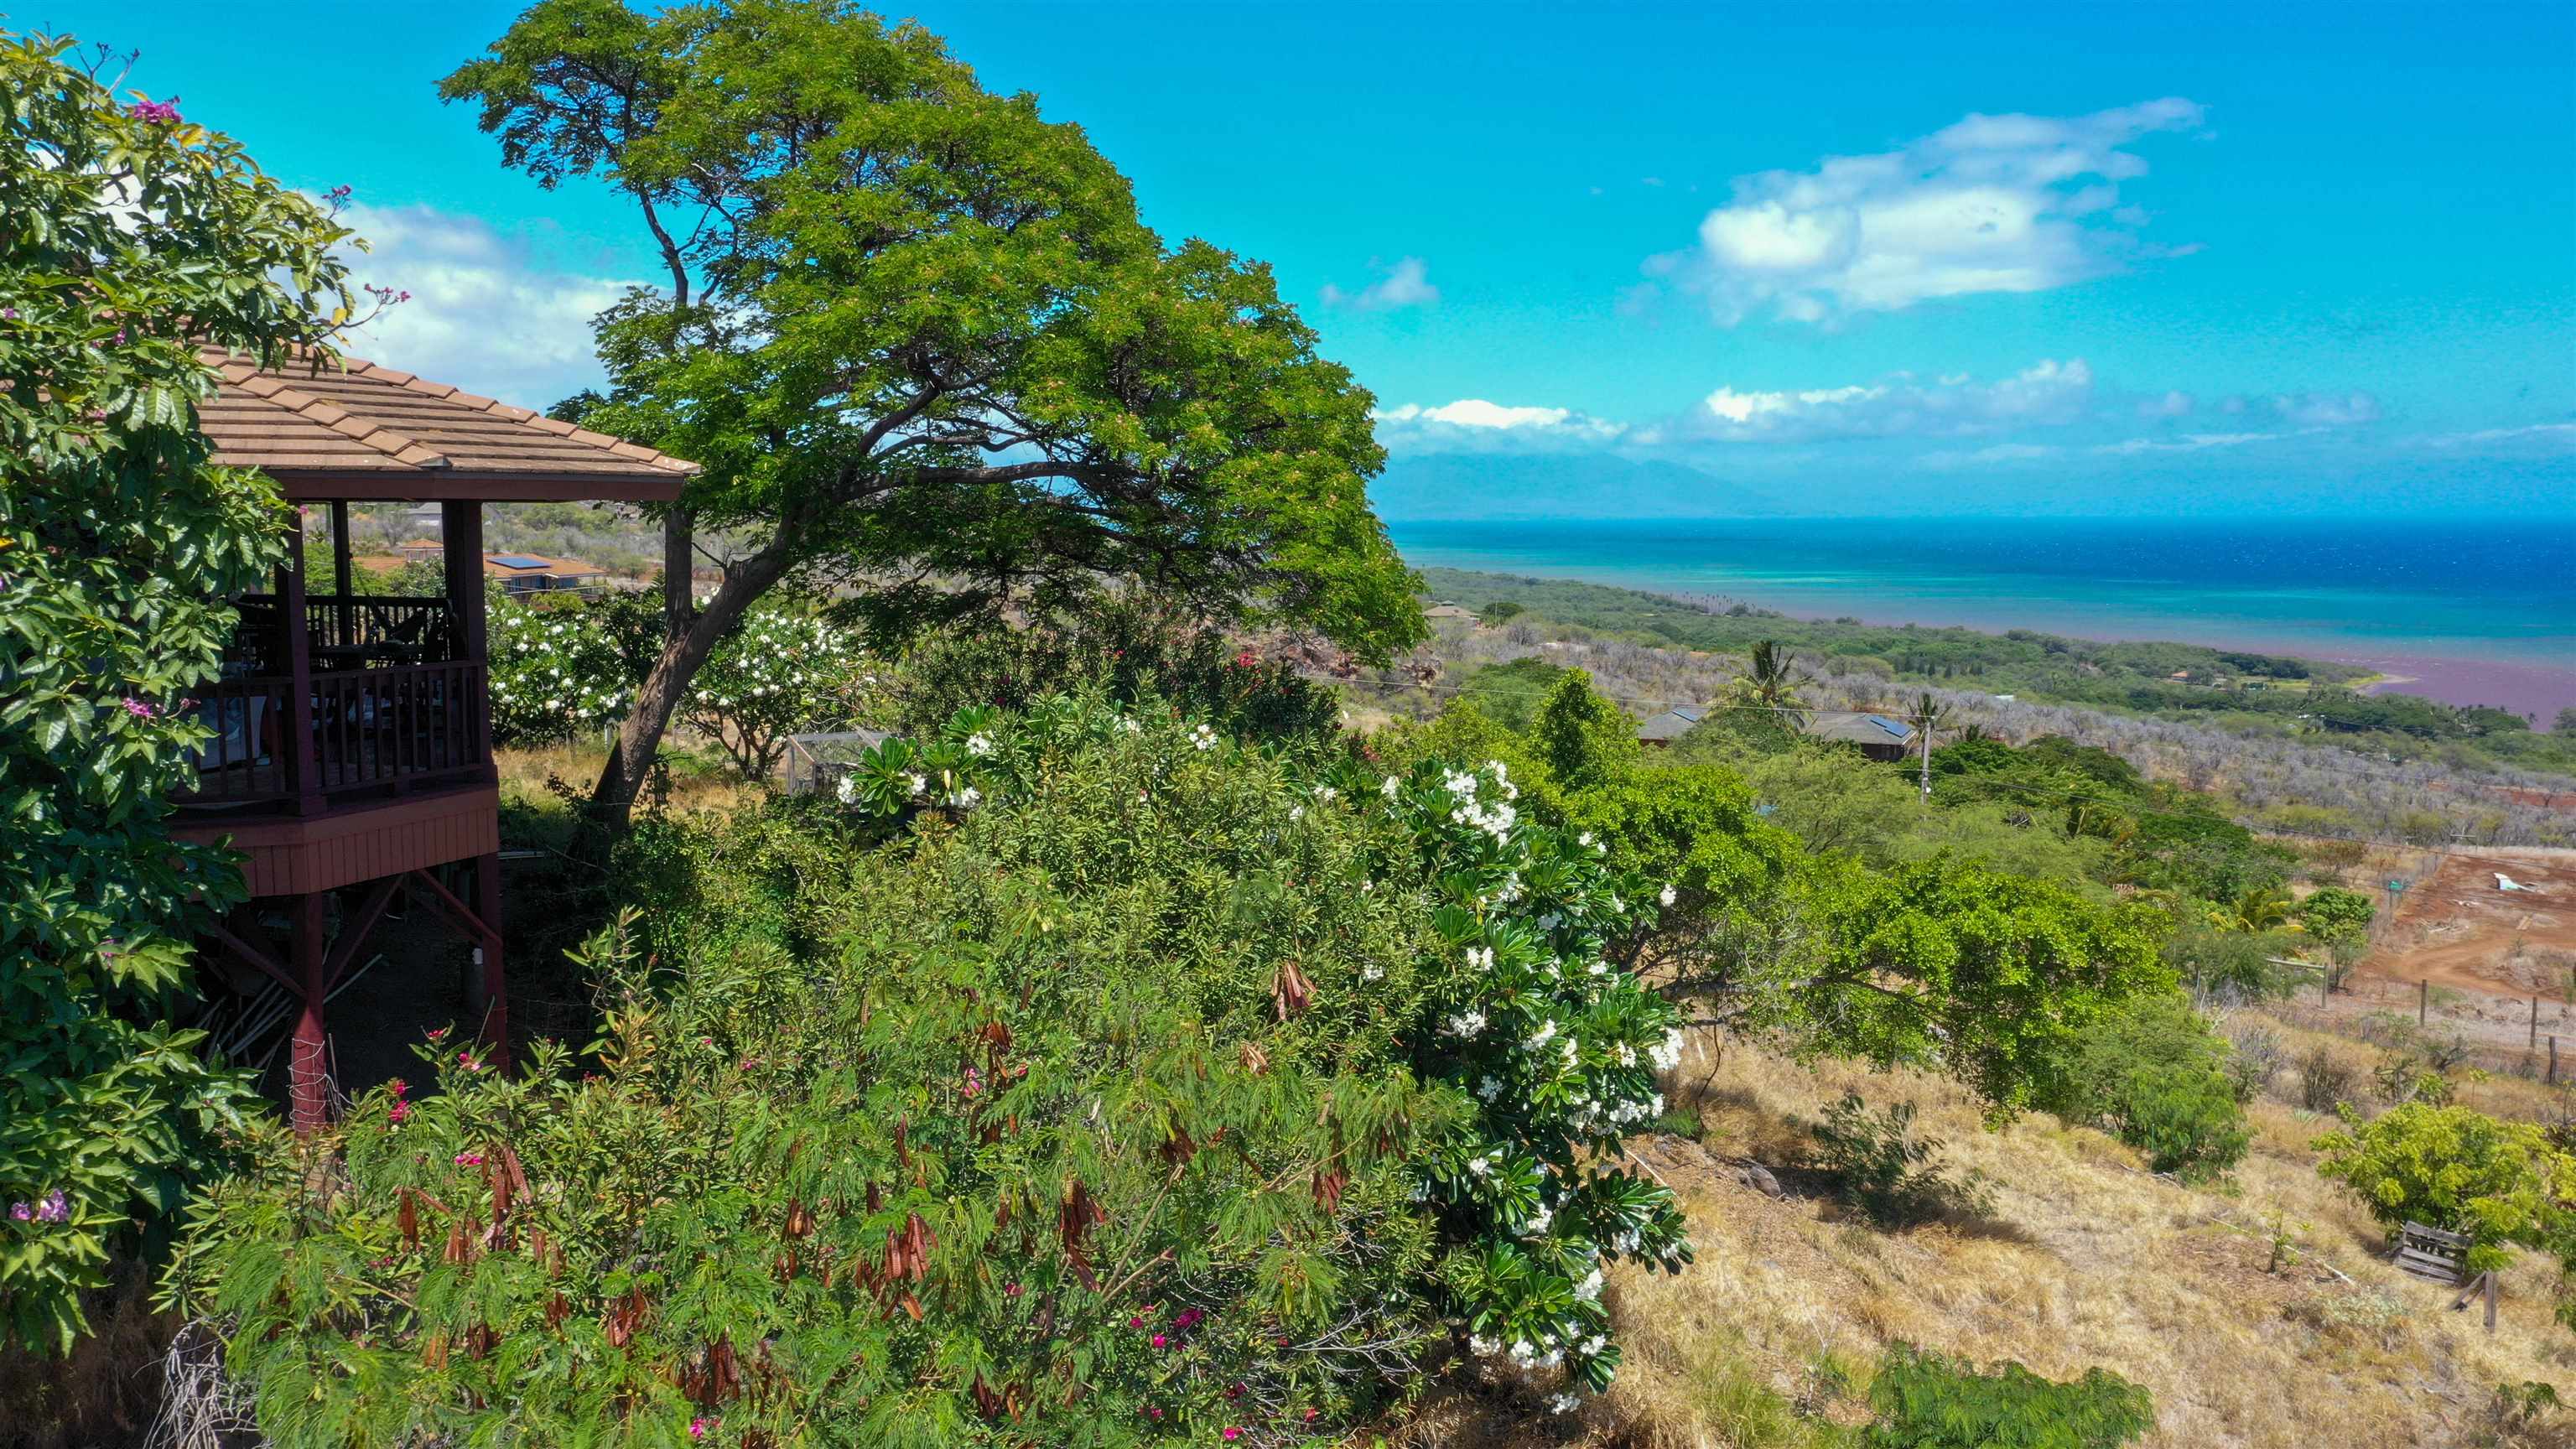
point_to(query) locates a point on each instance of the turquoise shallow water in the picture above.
(2481, 610)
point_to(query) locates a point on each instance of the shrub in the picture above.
(2156, 1075)
(1925, 1401)
(129, 239)
(556, 671)
(1136, 650)
(2462, 1171)
(2334, 915)
(1168, 1087)
(1882, 1168)
(2326, 1081)
(2255, 1058)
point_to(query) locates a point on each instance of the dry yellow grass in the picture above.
(531, 775)
(2087, 1259)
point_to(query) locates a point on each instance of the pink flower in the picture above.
(401, 1112)
(698, 1427)
(1160, 1341)
(1189, 1318)
(1010, 1290)
(138, 708)
(22, 1212)
(55, 1208)
(1135, 1323)
(1230, 1434)
(469, 1159)
(164, 112)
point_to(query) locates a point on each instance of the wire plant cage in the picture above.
(816, 762)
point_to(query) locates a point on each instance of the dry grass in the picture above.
(536, 776)
(2087, 1260)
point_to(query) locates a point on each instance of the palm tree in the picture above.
(1771, 682)
(2259, 909)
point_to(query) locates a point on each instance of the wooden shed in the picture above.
(352, 749)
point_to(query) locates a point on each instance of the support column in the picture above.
(496, 988)
(308, 1062)
(304, 771)
(342, 581)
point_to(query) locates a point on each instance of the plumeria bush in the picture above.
(563, 669)
(1161, 1088)
(557, 672)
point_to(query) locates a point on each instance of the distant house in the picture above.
(1661, 730)
(1449, 611)
(1878, 737)
(528, 573)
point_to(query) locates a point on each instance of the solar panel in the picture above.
(519, 561)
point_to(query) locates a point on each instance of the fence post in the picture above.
(2423, 999)
(2553, 1061)
(2535, 1021)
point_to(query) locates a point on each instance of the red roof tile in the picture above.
(352, 429)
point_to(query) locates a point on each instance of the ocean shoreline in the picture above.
(2306, 616)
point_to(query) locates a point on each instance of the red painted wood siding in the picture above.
(290, 856)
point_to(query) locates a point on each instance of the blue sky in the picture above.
(2065, 257)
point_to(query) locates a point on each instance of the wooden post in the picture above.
(303, 771)
(2535, 1021)
(2553, 1061)
(2491, 1300)
(340, 570)
(496, 990)
(308, 1062)
(2423, 999)
(461, 543)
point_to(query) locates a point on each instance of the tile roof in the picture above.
(353, 429)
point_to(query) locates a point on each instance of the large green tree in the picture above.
(925, 350)
(128, 238)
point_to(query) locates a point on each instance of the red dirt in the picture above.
(2456, 929)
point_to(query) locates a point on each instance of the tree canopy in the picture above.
(925, 348)
(129, 236)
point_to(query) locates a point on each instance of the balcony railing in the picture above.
(351, 631)
(372, 730)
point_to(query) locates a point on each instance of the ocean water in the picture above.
(2474, 610)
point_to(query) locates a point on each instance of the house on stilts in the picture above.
(352, 750)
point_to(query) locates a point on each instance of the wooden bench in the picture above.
(2432, 1253)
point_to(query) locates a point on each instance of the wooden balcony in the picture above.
(368, 732)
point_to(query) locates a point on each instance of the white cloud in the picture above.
(487, 312)
(2172, 405)
(1473, 424)
(2047, 393)
(1406, 284)
(2548, 435)
(2326, 410)
(2187, 443)
(1990, 204)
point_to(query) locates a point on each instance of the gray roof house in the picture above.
(1879, 737)
(1671, 725)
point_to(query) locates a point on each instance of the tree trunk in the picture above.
(679, 565)
(630, 760)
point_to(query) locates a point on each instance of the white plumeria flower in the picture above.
(1297, 812)
(1467, 1023)
(1129, 725)
(1546, 1033)
(1584, 839)
(916, 784)
(1327, 793)
(1480, 957)
(1489, 1089)
(979, 745)
(1203, 738)
(1562, 1403)
(1666, 897)
(1481, 1346)
(1372, 972)
(848, 789)
(1589, 1290)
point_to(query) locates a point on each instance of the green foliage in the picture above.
(2334, 915)
(1161, 1087)
(2460, 1170)
(1135, 649)
(1925, 1401)
(566, 668)
(128, 238)
(557, 672)
(1995, 978)
(1510, 693)
(2157, 1076)
(1881, 1167)
(929, 357)
(1584, 740)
